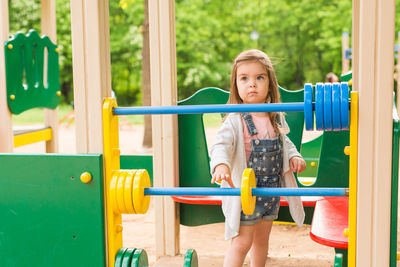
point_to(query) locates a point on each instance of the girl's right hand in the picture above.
(222, 172)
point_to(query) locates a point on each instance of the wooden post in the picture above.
(91, 69)
(6, 132)
(375, 86)
(345, 46)
(49, 28)
(165, 132)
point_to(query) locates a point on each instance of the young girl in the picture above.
(258, 141)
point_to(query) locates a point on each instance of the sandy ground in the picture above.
(290, 246)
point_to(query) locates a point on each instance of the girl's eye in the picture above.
(243, 78)
(260, 77)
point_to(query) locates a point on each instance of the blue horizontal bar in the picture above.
(199, 109)
(204, 191)
(299, 191)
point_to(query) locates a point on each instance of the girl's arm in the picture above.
(221, 153)
(296, 161)
(291, 148)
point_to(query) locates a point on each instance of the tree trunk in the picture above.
(146, 91)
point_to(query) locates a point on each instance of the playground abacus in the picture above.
(130, 190)
(331, 113)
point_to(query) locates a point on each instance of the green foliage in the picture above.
(126, 19)
(303, 38)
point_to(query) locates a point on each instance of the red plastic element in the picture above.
(308, 201)
(206, 200)
(331, 218)
(216, 200)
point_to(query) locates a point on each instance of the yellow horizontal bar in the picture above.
(31, 137)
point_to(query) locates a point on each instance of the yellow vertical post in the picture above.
(353, 179)
(112, 162)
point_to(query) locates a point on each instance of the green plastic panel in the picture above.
(333, 169)
(197, 214)
(338, 260)
(194, 166)
(295, 120)
(395, 186)
(284, 214)
(48, 216)
(344, 253)
(25, 68)
(310, 151)
(138, 162)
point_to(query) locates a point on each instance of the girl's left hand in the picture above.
(297, 164)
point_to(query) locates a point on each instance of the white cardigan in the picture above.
(229, 149)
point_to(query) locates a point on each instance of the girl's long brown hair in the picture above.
(273, 96)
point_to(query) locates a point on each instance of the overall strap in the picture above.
(251, 128)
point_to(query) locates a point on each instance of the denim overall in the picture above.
(267, 162)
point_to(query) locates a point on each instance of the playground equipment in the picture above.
(32, 80)
(373, 76)
(131, 194)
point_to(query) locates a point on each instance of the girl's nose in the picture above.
(252, 83)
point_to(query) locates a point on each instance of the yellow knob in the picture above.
(57, 50)
(346, 232)
(58, 93)
(118, 228)
(347, 150)
(12, 97)
(86, 177)
(312, 164)
(351, 82)
(10, 46)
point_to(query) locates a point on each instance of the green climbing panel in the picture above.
(48, 216)
(194, 166)
(32, 72)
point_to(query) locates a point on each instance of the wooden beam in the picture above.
(6, 133)
(375, 86)
(49, 28)
(91, 69)
(165, 130)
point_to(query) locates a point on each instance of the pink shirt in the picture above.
(262, 124)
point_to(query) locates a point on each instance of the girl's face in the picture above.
(252, 82)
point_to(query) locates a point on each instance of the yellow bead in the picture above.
(57, 50)
(58, 93)
(347, 150)
(12, 97)
(10, 46)
(346, 232)
(120, 191)
(351, 82)
(140, 182)
(246, 193)
(312, 164)
(128, 191)
(86, 177)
